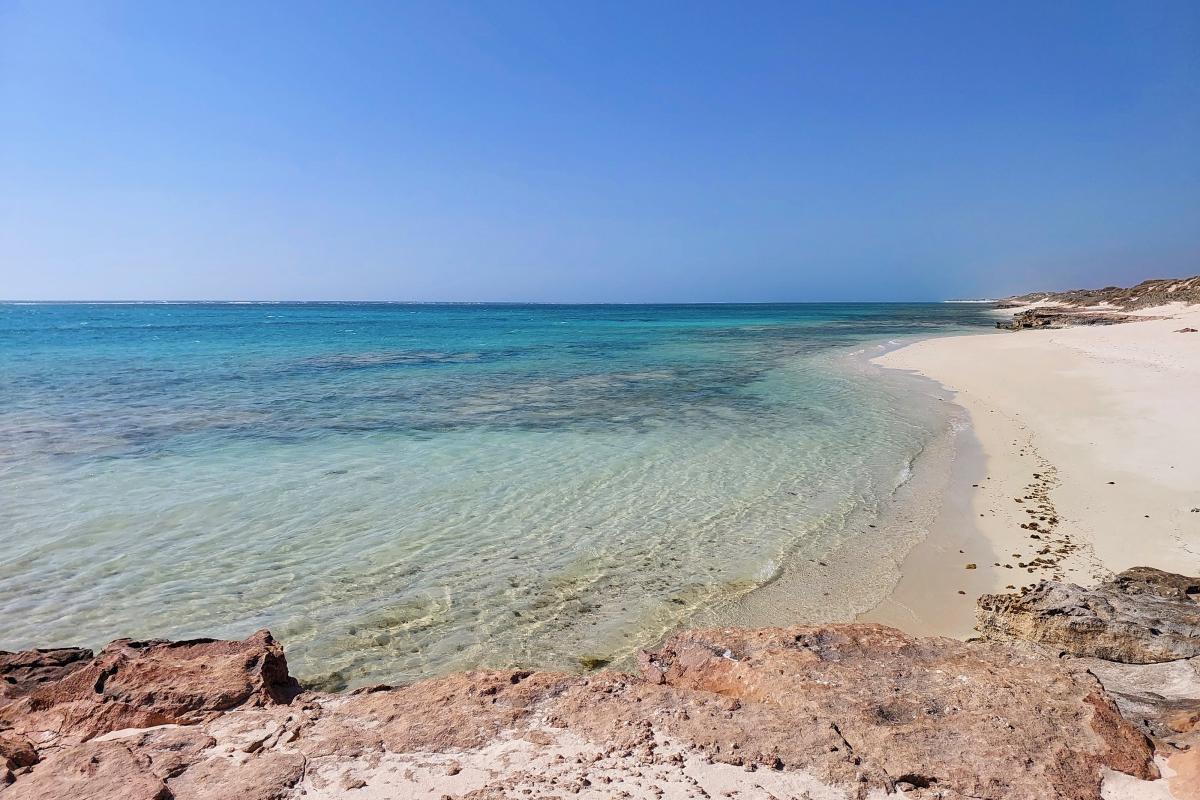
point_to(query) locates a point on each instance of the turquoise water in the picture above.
(398, 490)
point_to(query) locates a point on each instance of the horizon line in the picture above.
(494, 302)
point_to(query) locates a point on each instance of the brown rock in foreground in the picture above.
(140, 684)
(980, 719)
(1139, 634)
(834, 711)
(1142, 616)
(21, 673)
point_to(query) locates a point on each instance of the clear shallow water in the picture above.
(398, 490)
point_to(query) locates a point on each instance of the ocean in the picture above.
(400, 490)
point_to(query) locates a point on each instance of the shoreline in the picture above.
(1055, 415)
(848, 570)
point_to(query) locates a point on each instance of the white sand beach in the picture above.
(1105, 419)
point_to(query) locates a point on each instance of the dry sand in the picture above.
(1096, 428)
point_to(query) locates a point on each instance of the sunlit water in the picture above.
(400, 490)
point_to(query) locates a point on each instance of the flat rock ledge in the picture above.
(1142, 616)
(1064, 317)
(818, 712)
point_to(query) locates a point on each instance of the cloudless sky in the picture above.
(570, 151)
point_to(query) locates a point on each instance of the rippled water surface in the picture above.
(397, 490)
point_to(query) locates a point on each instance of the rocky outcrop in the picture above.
(21, 673)
(1062, 317)
(1139, 634)
(1068, 686)
(1142, 616)
(1162, 698)
(832, 711)
(975, 718)
(141, 684)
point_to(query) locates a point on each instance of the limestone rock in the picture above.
(141, 684)
(1142, 616)
(1062, 317)
(975, 718)
(1163, 698)
(267, 776)
(91, 771)
(830, 711)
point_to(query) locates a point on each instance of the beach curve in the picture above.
(1094, 422)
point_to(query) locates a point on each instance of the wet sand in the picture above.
(1091, 434)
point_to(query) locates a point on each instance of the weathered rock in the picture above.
(1142, 616)
(1148, 580)
(91, 771)
(1062, 317)
(142, 684)
(975, 718)
(1137, 634)
(22, 672)
(16, 752)
(1163, 699)
(841, 710)
(266, 776)
(170, 748)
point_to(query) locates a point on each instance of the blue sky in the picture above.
(566, 151)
